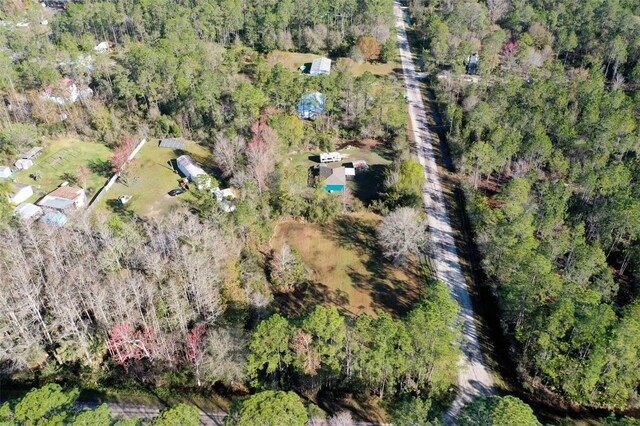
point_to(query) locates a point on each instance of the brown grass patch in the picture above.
(348, 269)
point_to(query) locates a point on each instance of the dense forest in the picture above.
(547, 137)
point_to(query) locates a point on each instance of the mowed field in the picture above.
(348, 269)
(293, 60)
(60, 161)
(151, 177)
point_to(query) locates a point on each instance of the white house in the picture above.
(5, 171)
(330, 157)
(64, 197)
(19, 193)
(320, 66)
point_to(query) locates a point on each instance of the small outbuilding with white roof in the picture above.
(320, 66)
(28, 211)
(19, 192)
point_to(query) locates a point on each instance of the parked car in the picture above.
(177, 191)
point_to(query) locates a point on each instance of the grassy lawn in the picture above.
(347, 267)
(293, 60)
(151, 178)
(60, 161)
(366, 184)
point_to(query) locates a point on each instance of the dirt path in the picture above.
(474, 376)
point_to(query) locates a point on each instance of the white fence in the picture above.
(115, 177)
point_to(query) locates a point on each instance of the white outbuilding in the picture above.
(5, 172)
(320, 66)
(28, 211)
(19, 192)
(23, 164)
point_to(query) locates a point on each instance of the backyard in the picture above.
(367, 184)
(347, 268)
(151, 177)
(293, 60)
(61, 160)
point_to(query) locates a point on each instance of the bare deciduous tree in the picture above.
(402, 233)
(497, 9)
(342, 418)
(225, 356)
(286, 269)
(227, 151)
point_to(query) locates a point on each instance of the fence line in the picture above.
(115, 177)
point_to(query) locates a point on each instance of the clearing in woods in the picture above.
(61, 160)
(347, 268)
(151, 177)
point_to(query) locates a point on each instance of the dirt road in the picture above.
(474, 377)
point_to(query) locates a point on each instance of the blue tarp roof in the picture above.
(55, 218)
(311, 105)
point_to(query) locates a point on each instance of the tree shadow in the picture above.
(387, 292)
(101, 168)
(307, 296)
(117, 207)
(368, 184)
(384, 150)
(360, 404)
(72, 179)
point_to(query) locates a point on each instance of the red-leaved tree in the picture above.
(120, 157)
(127, 344)
(195, 345)
(83, 176)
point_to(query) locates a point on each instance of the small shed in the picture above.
(5, 171)
(311, 105)
(350, 173)
(320, 66)
(28, 211)
(359, 165)
(23, 164)
(171, 143)
(55, 218)
(19, 192)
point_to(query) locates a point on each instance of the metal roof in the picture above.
(320, 66)
(171, 143)
(32, 152)
(311, 105)
(189, 167)
(55, 218)
(27, 211)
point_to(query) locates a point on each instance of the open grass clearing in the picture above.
(293, 61)
(366, 185)
(151, 177)
(61, 160)
(347, 268)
